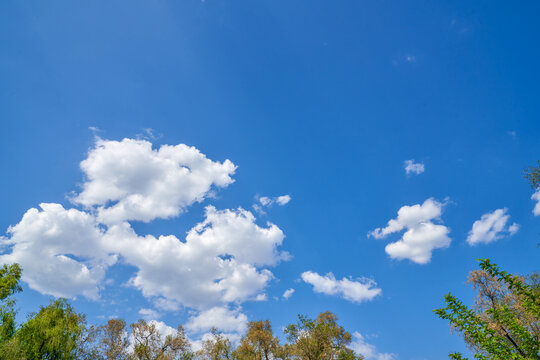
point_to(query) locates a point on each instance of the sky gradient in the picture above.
(272, 142)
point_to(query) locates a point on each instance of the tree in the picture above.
(532, 173)
(113, 340)
(504, 322)
(319, 339)
(259, 343)
(216, 347)
(9, 285)
(150, 344)
(53, 333)
(10, 276)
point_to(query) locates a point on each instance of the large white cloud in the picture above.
(421, 237)
(61, 251)
(352, 290)
(129, 180)
(219, 262)
(536, 197)
(223, 259)
(490, 227)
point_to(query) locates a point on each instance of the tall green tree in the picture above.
(504, 322)
(10, 276)
(319, 339)
(52, 333)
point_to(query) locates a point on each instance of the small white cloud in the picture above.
(259, 209)
(288, 293)
(410, 58)
(266, 201)
(360, 346)
(221, 318)
(514, 228)
(149, 314)
(536, 197)
(283, 200)
(422, 235)
(412, 167)
(490, 227)
(353, 290)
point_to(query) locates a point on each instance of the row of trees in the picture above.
(57, 331)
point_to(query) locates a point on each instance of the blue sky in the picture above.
(320, 101)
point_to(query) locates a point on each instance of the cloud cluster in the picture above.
(413, 168)
(223, 259)
(422, 235)
(490, 227)
(355, 291)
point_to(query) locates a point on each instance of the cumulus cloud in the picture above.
(288, 293)
(221, 318)
(352, 290)
(369, 351)
(413, 168)
(61, 251)
(536, 197)
(219, 261)
(223, 259)
(490, 227)
(129, 180)
(421, 237)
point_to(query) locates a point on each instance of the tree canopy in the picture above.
(504, 324)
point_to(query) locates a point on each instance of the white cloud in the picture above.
(166, 304)
(283, 200)
(412, 167)
(490, 227)
(223, 259)
(355, 291)
(288, 293)
(218, 262)
(280, 200)
(536, 197)
(410, 58)
(421, 237)
(149, 314)
(369, 351)
(221, 318)
(61, 251)
(128, 180)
